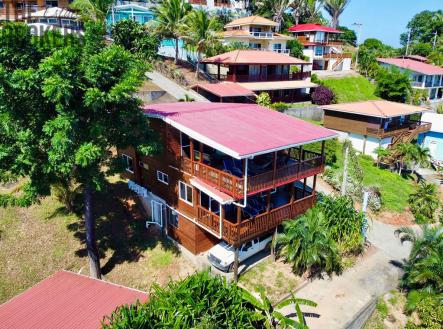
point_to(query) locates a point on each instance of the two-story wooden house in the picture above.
(228, 172)
(257, 33)
(371, 124)
(285, 78)
(323, 46)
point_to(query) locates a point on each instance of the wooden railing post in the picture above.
(191, 150)
(300, 158)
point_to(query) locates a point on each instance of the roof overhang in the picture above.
(278, 85)
(214, 193)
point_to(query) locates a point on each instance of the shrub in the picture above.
(323, 96)
(425, 202)
(331, 147)
(393, 85)
(263, 99)
(430, 314)
(279, 106)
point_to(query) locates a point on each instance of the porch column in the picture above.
(292, 192)
(268, 202)
(301, 72)
(314, 185)
(238, 215)
(201, 152)
(275, 169)
(304, 187)
(323, 144)
(234, 73)
(236, 246)
(218, 71)
(300, 158)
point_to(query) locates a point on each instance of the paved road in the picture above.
(173, 88)
(343, 297)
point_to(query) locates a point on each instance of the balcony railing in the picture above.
(414, 126)
(280, 51)
(312, 163)
(262, 35)
(326, 42)
(246, 230)
(337, 56)
(268, 77)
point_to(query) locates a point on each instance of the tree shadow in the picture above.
(120, 227)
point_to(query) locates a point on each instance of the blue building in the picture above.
(433, 139)
(140, 12)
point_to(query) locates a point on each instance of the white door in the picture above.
(157, 210)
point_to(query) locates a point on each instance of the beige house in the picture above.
(256, 32)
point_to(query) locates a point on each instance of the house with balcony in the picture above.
(230, 172)
(256, 32)
(323, 47)
(371, 124)
(12, 10)
(423, 76)
(285, 78)
(236, 7)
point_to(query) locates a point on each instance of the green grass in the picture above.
(351, 89)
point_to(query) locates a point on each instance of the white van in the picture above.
(221, 255)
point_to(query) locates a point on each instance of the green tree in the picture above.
(133, 36)
(349, 36)
(273, 9)
(381, 153)
(335, 8)
(270, 315)
(295, 48)
(201, 32)
(368, 53)
(263, 99)
(170, 16)
(308, 246)
(61, 120)
(92, 10)
(425, 201)
(404, 154)
(423, 27)
(393, 85)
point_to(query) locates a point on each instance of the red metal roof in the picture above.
(254, 57)
(413, 65)
(66, 300)
(226, 89)
(239, 130)
(313, 27)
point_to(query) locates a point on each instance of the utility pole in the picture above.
(359, 26)
(407, 44)
(435, 40)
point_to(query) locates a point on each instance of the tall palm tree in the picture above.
(312, 9)
(92, 10)
(274, 9)
(201, 32)
(170, 16)
(421, 156)
(335, 8)
(271, 316)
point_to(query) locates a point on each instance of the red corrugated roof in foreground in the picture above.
(254, 57)
(239, 130)
(313, 27)
(66, 300)
(226, 89)
(413, 65)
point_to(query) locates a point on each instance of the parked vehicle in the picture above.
(221, 255)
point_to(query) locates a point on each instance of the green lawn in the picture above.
(351, 89)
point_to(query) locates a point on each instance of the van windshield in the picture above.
(227, 246)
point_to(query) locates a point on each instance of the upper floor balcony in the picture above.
(256, 175)
(266, 77)
(395, 128)
(262, 35)
(325, 42)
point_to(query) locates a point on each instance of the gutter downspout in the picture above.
(245, 188)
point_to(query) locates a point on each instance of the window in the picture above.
(185, 192)
(173, 218)
(318, 51)
(2, 4)
(129, 163)
(20, 5)
(277, 46)
(162, 177)
(51, 3)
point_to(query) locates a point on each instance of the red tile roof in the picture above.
(239, 130)
(226, 89)
(313, 27)
(253, 57)
(413, 65)
(66, 300)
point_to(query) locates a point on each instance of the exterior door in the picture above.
(157, 210)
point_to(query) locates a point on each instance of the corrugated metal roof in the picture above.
(225, 89)
(254, 57)
(313, 27)
(239, 130)
(413, 65)
(66, 300)
(379, 108)
(277, 85)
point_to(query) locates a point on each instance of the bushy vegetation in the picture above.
(393, 85)
(424, 202)
(423, 277)
(323, 96)
(203, 301)
(331, 146)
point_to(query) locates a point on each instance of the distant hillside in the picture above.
(351, 89)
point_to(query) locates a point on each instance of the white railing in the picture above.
(262, 35)
(280, 51)
(140, 190)
(417, 84)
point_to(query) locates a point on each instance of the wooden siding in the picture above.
(352, 123)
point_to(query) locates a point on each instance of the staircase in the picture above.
(337, 63)
(403, 138)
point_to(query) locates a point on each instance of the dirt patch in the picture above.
(405, 218)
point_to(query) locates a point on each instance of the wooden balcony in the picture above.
(268, 77)
(306, 40)
(414, 127)
(311, 164)
(337, 56)
(246, 230)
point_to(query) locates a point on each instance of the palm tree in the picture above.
(421, 156)
(405, 153)
(307, 244)
(92, 10)
(269, 314)
(201, 32)
(425, 200)
(170, 16)
(312, 9)
(335, 8)
(274, 9)
(381, 153)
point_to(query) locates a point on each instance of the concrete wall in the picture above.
(311, 113)
(364, 144)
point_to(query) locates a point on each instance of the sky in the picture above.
(384, 19)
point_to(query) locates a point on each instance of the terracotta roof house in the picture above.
(228, 172)
(225, 92)
(264, 71)
(257, 33)
(371, 124)
(66, 300)
(423, 75)
(323, 47)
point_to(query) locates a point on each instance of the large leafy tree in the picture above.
(61, 119)
(335, 8)
(368, 52)
(170, 16)
(201, 33)
(423, 27)
(274, 9)
(393, 85)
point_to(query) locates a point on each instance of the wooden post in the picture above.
(292, 192)
(323, 151)
(191, 150)
(236, 252)
(314, 185)
(275, 169)
(300, 158)
(218, 71)
(304, 187)
(238, 216)
(201, 152)
(268, 202)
